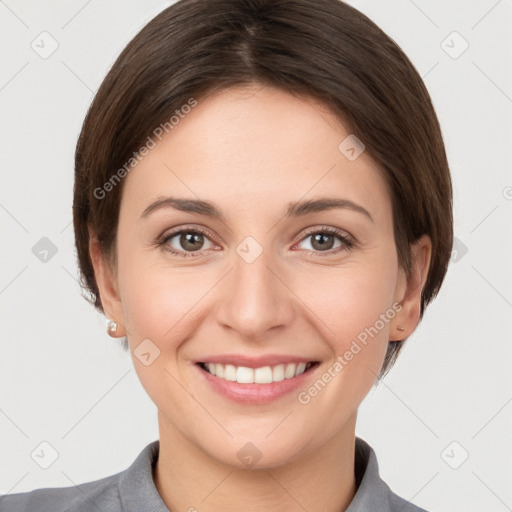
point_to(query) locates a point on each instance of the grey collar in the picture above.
(138, 491)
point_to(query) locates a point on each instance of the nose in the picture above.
(255, 297)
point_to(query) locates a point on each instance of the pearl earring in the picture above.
(111, 325)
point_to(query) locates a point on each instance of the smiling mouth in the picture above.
(262, 375)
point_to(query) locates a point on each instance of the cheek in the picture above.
(350, 299)
(162, 300)
(350, 304)
(158, 303)
(147, 296)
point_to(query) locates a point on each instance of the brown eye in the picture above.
(191, 241)
(185, 242)
(328, 240)
(322, 241)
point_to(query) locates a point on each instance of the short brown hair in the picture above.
(324, 49)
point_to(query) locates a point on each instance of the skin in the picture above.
(251, 151)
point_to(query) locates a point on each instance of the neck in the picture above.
(189, 479)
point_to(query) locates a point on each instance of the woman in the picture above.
(262, 211)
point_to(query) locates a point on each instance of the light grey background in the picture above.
(65, 382)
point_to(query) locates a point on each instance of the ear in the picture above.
(107, 286)
(408, 291)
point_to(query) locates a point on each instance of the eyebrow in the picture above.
(294, 209)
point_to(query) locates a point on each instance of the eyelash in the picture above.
(348, 243)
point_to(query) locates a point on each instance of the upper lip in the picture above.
(255, 361)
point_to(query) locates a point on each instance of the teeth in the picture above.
(263, 375)
(244, 375)
(230, 372)
(278, 373)
(289, 370)
(301, 368)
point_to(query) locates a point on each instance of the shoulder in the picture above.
(102, 494)
(373, 493)
(399, 504)
(131, 490)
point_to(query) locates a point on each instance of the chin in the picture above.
(257, 453)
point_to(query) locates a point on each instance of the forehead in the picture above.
(255, 147)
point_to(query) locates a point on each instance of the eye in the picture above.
(189, 242)
(323, 240)
(186, 241)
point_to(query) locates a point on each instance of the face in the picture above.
(258, 281)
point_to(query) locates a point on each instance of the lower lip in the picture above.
(256, 394)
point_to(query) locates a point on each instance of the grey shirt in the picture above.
(133, 490)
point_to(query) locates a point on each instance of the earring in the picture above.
(111, 325)
(401, 328)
